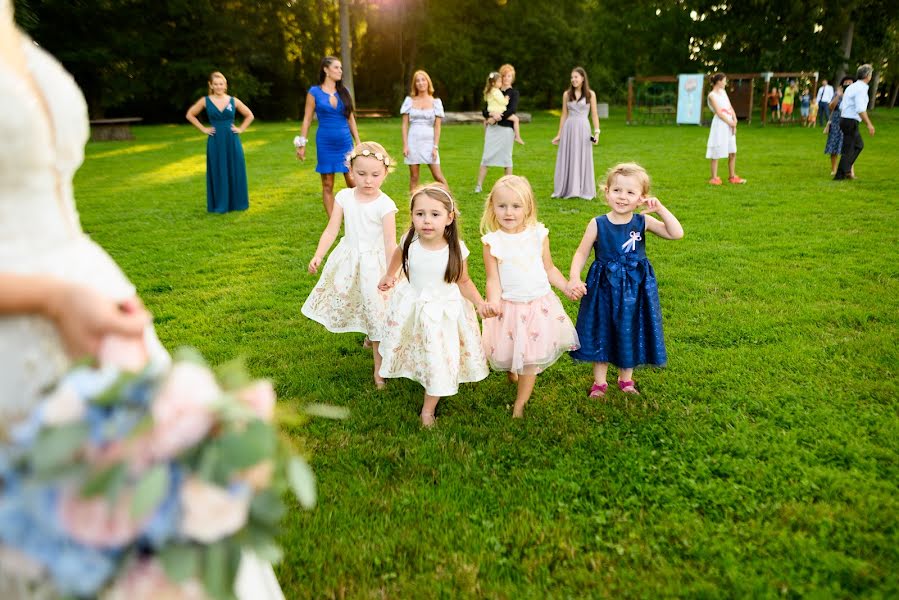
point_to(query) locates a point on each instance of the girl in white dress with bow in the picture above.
(432, 334)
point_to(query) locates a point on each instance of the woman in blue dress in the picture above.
(226, 169)
(834, 145)
(337, 133)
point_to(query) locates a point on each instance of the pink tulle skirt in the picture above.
(529, 336)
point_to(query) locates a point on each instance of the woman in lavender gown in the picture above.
(574, 162)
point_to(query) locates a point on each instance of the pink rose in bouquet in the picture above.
(210, 512)
(97, 521)
(183, 410)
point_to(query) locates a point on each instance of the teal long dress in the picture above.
(226, 170)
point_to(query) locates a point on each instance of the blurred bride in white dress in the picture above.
(60, 293)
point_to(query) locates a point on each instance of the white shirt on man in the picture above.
(855, 101)
(825, 93)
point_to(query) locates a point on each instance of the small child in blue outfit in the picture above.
(805, 101)
(620, 320)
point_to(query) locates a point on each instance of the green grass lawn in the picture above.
(763, 461)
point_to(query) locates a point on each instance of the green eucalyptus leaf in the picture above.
(57, 446)
(105, 482)
(267, 507)
(215, 566)
(180, 561)
(150, 491)
(302, 481)
(242, 449)
(328, 411)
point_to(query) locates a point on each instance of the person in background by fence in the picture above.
(822, 99)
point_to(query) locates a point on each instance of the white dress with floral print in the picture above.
(432, 334)
(346, 297)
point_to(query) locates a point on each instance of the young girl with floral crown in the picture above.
(531, 330)
(432, 333)
(346, 297)
(619, 320)
(497, 102)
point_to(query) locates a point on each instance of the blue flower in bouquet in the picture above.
(143, 460)
(28, 523)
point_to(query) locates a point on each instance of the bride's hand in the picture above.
(84, 317)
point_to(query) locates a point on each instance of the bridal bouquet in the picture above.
(133, 480)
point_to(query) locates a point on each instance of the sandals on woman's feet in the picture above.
(628, 387)
(598, 390)
(427, 419)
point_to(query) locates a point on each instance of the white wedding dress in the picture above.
(41, 146)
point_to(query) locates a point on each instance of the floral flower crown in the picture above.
(368, 153)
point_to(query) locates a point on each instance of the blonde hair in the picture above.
(371, 150)
(492, 78)
(212, 76)
(440, 193)
(521, 187)
(507, 68)
(629, 170)
(413, 90)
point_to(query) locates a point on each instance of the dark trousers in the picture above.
(823, 113)
(852, 147)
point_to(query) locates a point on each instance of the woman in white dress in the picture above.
(422, 115)
(60, 293)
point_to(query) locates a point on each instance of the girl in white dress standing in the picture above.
(346, 297)
(432, 334)
(723, 133)
(531, 330)
(422, 114)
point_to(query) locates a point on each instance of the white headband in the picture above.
(442, 191)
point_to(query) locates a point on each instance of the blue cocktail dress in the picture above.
(620, 320)
(333, 140)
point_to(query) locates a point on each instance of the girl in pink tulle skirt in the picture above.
(531, 330)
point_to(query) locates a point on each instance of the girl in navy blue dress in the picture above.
(619, 320)
(337, 133)
(226, 169)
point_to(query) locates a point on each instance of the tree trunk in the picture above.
(346, 48)
(875, 81)
(894, 94)
(846, 44)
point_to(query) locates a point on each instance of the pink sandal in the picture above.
(598, 391)
(628, 387)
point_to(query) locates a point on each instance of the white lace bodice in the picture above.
(41, 146)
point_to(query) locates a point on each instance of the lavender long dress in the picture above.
(574, 162)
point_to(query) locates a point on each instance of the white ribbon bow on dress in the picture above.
(436, 308)
(635, 237)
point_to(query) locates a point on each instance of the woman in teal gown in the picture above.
(226, 170)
